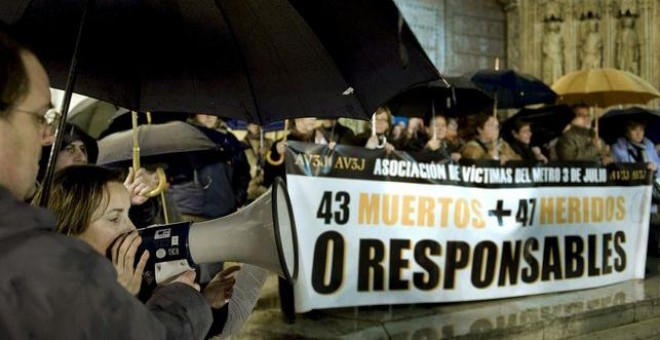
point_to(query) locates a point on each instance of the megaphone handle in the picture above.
(168, 271)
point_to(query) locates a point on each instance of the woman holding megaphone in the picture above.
(92, 203)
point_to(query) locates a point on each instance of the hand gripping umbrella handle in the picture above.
(162, 179)
(162, 183)
(268, 153)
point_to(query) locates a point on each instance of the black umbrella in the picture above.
(548, 122)
(612, 123)
(177, 142)
(451, 97)
(513, 89)
(259, 60)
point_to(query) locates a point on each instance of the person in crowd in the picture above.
(485, 143)
(332, 131)
(102, 221)
(214, 189)
(63, 277)
(416, 131)
(302, 130)
(580, 142)
(454, 141)
(634, 147)
(432, 146)
(520, 141)
(78, 148)
(255, 154)
(382, 137)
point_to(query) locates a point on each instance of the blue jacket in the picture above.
(623, 151)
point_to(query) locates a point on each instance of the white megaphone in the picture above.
(262, 234)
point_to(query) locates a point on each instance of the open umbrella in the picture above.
(259, 60)
(157, 145)
(451, 97)
(512, 89)
(603, 88)
(612, 123)
(548, 122)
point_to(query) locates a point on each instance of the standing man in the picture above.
(54, 286)
(580, 142)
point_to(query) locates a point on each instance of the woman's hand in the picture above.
(372, 142)
(129, 275)
(539, 155)
(433, 144)
(139, 184)
(281, 148)
(221, 287)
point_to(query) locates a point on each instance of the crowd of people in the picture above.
(79, 257)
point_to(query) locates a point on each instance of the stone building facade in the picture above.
(546, 38)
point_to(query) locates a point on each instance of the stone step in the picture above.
(615, 308)
(647, 329)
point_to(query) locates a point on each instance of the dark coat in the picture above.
(57, 287)
(577, 144)
(216, 189)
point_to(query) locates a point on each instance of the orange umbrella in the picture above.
(604, 87)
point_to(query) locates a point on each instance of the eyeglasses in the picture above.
(49, 119)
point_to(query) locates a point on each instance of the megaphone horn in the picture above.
(262, 234)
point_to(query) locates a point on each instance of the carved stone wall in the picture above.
(622, 34)
(458, 35)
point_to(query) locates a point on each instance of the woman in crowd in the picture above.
(303, 130)
(382, 138)
(634, 147)
(433, 144)
(454, 141)
(520, 141)
(485, 143)
(92, 203)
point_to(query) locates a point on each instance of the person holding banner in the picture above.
(486, 144)
(580, 142)
(380, 135)
(520, 142)
(303, 130)
(635, 148)
(433, 145)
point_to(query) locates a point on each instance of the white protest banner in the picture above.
(379, 229)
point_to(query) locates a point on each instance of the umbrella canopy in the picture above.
(513, 89)
(612, 123)
(235, 124)
(160, 143)
(603, 88)
(548, 122)
(450, 97)
(258, 60)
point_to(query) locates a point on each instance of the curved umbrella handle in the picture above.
(162, 183)
(279, 162)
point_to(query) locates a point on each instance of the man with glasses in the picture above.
(54, 286)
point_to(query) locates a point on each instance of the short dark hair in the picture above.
(519, 124)
(13, 74)
(631, 124)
